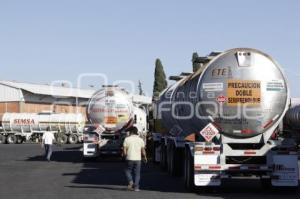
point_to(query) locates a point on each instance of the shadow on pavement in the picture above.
(108, 173)
(73, 156)
(105, 174)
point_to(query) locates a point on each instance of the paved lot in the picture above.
(24, 174)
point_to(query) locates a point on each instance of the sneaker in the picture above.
(130, 186)
(137, 190)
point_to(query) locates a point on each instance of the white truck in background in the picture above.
(111, 111)
(20, 127)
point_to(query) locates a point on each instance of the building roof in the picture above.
(42, 89)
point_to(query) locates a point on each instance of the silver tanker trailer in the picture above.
(111, 111)
(19, 127)
(221, 122)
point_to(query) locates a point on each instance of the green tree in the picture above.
(196, 66)
(160, 82)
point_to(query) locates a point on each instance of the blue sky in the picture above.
(43, 41)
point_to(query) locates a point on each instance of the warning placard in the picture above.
(110, 120)
(243, 92)
(209, 132)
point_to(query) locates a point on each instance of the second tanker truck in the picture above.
(111, 111)
(221, 122)
(19, 127)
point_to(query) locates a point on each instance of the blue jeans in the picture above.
(48, 151)
(133, 169)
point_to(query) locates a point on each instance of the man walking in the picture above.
(47, 142)
(134, 149)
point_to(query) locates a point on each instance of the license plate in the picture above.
(91, 146)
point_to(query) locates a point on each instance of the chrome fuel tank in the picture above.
(242, 91)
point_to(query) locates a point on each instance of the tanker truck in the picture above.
(111, 111)
(221, 122)
(20, 127)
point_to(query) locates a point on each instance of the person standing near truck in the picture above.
(47, 142)
(134, 149)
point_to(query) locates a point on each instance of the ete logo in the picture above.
(221, 99)
(209, 132)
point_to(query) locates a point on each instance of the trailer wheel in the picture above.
(189, 171)
(163, 157)
(172, 170)
(175, 161)
(72, 139)
(154, 148)
(12, 139)
(2, 139)
(62, 139)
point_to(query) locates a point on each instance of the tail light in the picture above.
(207, 148)
(85, 138)
(216, 148)
(198, 148)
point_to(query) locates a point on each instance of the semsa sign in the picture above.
(24, 121)
(243, 92)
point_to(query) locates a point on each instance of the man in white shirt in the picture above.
(47, 142)
(134, 149)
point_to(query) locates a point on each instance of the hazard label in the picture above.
(221, 99)
(110, 120)
(243, 92)
(209, 132)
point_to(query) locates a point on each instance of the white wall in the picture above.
(10, 94)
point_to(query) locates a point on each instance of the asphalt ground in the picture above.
(24, 174)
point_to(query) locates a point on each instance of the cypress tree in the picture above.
(160, 82)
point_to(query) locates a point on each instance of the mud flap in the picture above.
(207, 179)
(285, 171)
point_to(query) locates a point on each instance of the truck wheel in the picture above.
(171, 160)
(72, 139)
(62, 139)
(163, 157)
(175, 168)
(154, 148)
(2, 139)
(11, 139)
(189, 171)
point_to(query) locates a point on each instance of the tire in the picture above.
(171, 163)
(154, 147)
(175, 164)
(11, 139)
(2, 139)
(72, 139)
(163, 157)
(189, 171)
(62, 139)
